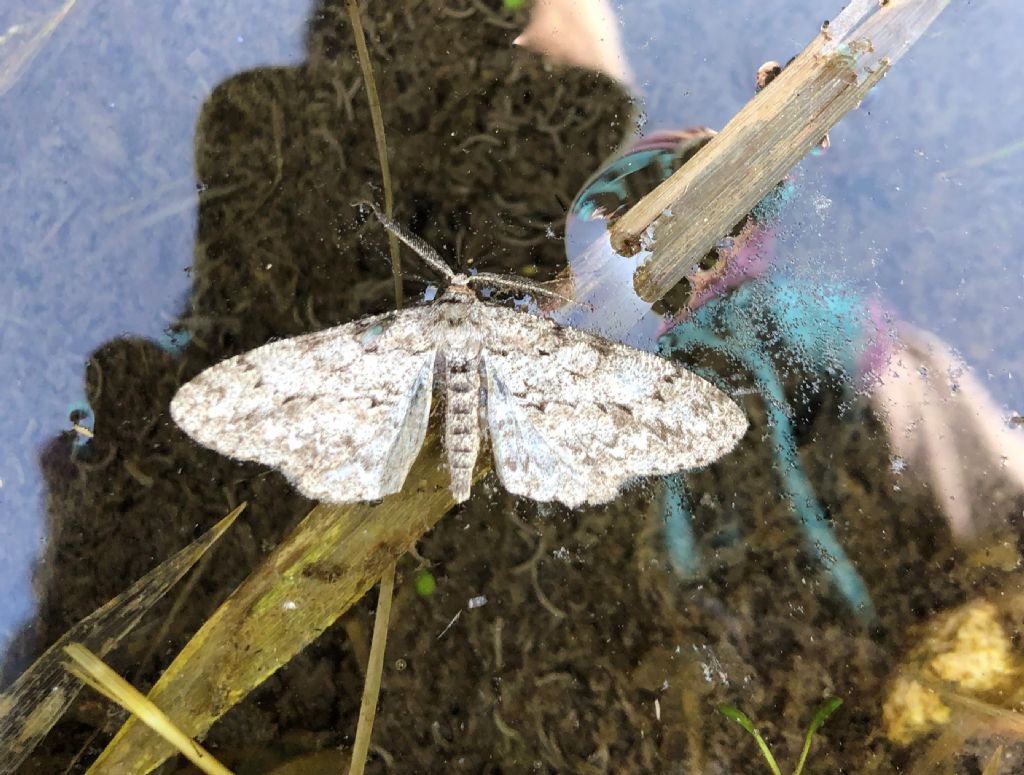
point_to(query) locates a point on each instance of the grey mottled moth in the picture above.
(570, 416)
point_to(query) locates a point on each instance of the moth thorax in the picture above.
(462, 337)
(459, 292)
(462, 421)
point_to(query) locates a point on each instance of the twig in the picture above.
(726, 178)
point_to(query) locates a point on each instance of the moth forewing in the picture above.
(342, 412)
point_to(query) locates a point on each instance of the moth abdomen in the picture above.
(461, 420)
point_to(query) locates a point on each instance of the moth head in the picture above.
(459, 288)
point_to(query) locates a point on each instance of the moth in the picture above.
(570, 416)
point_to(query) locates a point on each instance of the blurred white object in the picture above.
(947, 429)
(581, 33)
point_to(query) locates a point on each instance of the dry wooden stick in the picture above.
(725, 179)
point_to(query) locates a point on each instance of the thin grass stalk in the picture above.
(378, 133)
(94, 672)
(374, 670)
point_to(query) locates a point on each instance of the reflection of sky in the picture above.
(905, 200)
(98, 197)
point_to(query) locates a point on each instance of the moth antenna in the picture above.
(420, 278)
(419, 246)
(502, 281)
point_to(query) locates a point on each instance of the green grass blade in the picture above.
(744, 721)
(826, 709)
